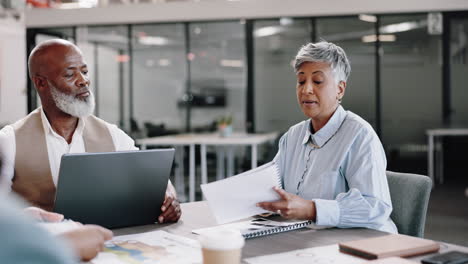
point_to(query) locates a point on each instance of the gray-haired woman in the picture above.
(333, 164)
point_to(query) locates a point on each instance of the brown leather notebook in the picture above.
(389, 246)
(391, 260)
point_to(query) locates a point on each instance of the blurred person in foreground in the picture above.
(24, 241)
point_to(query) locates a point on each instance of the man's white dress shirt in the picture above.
(56, 147)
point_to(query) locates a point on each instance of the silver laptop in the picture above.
(113, 189)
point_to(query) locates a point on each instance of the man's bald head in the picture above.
(47, 54)
(60, 76)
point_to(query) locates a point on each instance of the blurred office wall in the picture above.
(13, 74)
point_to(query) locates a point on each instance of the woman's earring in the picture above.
(339, 99)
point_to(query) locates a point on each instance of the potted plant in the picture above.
(225, 126)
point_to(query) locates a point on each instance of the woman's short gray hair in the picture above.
(325, 52)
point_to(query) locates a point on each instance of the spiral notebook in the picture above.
(262, 226)
(235, 198)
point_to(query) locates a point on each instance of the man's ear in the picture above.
(40, 83)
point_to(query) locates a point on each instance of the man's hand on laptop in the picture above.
(42, 215)
(171, 207)
(88, 240)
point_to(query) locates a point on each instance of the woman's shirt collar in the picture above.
(320, 137)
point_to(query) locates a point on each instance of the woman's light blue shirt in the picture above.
(341, 168)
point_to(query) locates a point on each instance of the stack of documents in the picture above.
(236, 197)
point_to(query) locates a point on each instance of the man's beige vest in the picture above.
(33, 179)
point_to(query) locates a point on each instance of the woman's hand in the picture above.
(291, 206)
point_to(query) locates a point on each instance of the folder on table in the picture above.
(389, 246)
(391, 260)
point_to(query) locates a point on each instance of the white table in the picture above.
(198, 215)
(432, 136)
(204, 139)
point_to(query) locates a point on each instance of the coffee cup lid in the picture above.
(223, 239)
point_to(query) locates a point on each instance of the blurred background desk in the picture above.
(227, 145)
(205, 139)
(432, 136)
(178, 142)
(197, 215)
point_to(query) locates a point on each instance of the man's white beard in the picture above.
(71, 105)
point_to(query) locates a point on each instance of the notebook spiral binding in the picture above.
(267, 166)
(278, 175)
(276, 230)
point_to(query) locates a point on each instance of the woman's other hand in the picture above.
(290, 206)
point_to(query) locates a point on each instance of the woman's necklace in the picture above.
(314, 146)
(310, 143)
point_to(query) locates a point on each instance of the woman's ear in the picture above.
(341, 89)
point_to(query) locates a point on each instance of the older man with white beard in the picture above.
(32, 147)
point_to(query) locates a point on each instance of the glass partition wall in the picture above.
(411, 77)
(458, 69)
(106, 50)
(411, 88)
(354, 35)
(276, 43)
(159, 78)
(218, 74)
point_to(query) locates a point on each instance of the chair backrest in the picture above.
(410, 198)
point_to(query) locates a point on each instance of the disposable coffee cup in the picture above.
(222, 246)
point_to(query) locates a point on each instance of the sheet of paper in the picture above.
(323, 255)
(234, 198)
(157, 247)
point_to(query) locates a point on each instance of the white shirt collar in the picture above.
(320, 137)
(48, 130)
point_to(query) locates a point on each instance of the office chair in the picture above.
(410, 198)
